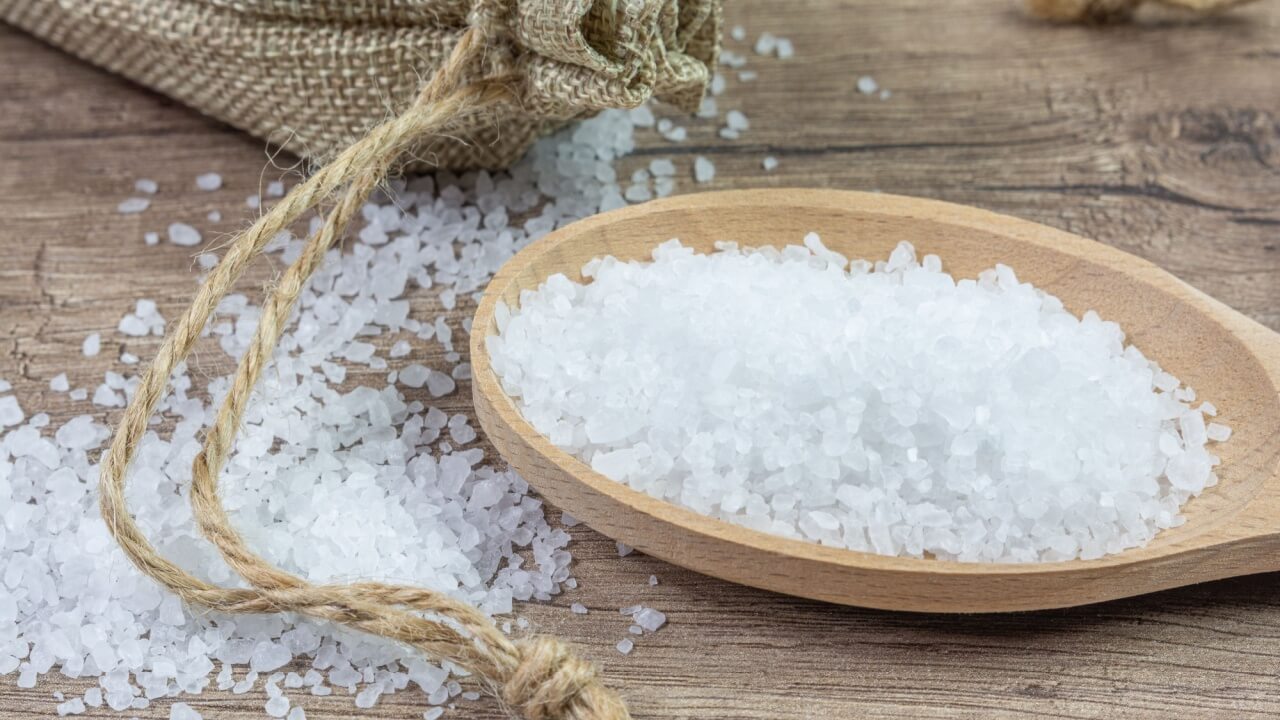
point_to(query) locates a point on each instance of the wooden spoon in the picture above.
(1232, 529)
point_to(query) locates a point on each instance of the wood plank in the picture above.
(1159, 138)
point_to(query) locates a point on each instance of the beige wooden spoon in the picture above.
(1231, 529)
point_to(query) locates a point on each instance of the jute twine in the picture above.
(1103, 11)
(538, 678)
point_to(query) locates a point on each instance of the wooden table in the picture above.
(1162, 138)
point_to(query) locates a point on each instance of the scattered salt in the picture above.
(145, 185)
(867, 85)
(209, 181)
(183, 711)
(625, 646)
(703, 170)
(184, 235)
(92, 345)
(133, 206)
(10, 411)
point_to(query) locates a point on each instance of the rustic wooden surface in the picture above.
(1161, 138)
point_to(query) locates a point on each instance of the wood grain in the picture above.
(1160, 139)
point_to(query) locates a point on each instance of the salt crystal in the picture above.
(133, 206)
(770, 163)
(414, 376)
(625, 646)
(92, 344)
(624, 549)
(738, 33)
(736, 120)
(145, 185)
(268, 656)
(209, 181)
(275, 189)
(184, 235)
(662, 167)
(183, 711)
(703, 170)
(214, 216)
(151, 238)
(765, 44)
(578, 609)
(784, 49)
(867, 85)
(278, 706)
(653, 580)
(75, 706)
(10, 411)
(650, 619)
(439, 384)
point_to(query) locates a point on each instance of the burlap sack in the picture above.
(314, 75)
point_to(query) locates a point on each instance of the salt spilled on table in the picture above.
(887, 408)
(414, 494)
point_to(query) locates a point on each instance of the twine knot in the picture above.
(550, 682)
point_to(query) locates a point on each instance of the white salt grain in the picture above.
(145, 185)
(770, 163)
(92, 345)
(10, 412)
(151, 238)
(662, 167)
(867, 85)
(59, 383)
(209, 181)
(625, 646)
(275, 189)
(578, 609)
(765, 44)
(183, 711)
(133, 206)
(278, 706)
(184, 235)
(738, 33)
(704, 170)
(214, 216)
(653, 580)
(624, 549)
(650, 619)
(736, 120)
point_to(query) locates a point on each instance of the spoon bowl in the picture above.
(1231, 529)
